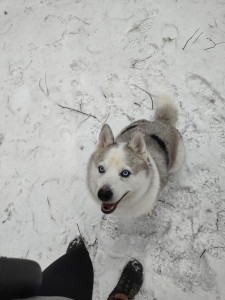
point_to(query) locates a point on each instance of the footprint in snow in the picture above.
(169, 36)
(209, 103)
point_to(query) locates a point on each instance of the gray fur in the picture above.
(136, 162)
(166, 111)
(167, 133)
(98, 156)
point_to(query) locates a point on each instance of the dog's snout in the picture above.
(105, 193)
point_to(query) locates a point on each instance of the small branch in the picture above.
(137, 61)
(94, 243)
(216, 119)
(84, 22)
(106, 119)
(46, 93)
(216, 247)
(78, 111)
(27, 253)
(218, 218)
(85, 119)
(47, 90)
(41, 87)
(214, 44)
(166, 203)
(197, 37)
(215, 25)
(28, 65)
(202, 253)
(103, 93)
(190, 39)
(81, 103)
(144, 91)
(80, 233)
(48, 202)
(198, 231)
(131, 119)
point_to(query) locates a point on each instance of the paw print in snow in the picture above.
(10, 209)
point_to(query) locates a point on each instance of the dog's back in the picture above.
(162, 139)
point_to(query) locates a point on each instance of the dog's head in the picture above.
(118, 173)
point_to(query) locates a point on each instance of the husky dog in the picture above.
(126, 174)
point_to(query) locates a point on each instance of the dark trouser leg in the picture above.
(69, 276)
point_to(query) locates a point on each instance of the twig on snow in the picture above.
(27, 253)
(78, 111)
(216, 120)
(94, 243)
(137, 61)
(46, 93)
(215, 25)
(197, 37)
(218, 218)
(198, 231)
(166, 203)
(28, 65)
(144, 91)
(214, 44)
(216, 247)
(85, 119)
(103, 93)
(81, 103)
(52, 218)
(84, 22)
(41, 87)
(47, 90)
(202, 253)
(48, 202)
(80, 233)
(190, 38)
(106, 119)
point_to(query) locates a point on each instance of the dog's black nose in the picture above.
(105, 193)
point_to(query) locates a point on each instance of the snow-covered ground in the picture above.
(99, 57)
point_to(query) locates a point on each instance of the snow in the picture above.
(94, 56)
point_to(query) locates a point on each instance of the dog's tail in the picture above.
(166, 111)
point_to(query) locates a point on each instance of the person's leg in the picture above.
(69, 276)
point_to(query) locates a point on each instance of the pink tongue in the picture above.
(108, 207)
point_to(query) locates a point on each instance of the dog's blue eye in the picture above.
(101, 169)
(125, 173)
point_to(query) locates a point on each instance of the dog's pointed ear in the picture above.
(105, 137)
(137, 143)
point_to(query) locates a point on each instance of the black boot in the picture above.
(75, 243)
(129, 283)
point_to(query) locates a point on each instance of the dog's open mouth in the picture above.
(109, 208)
